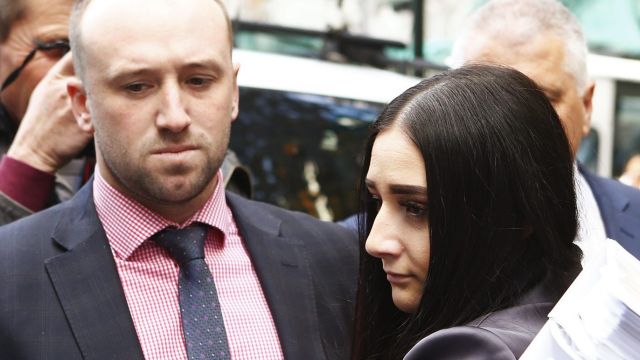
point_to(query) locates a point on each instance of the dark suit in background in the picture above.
(62, 297)
(619, 206)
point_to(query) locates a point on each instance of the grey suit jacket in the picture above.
(61, 295)
(500, 335)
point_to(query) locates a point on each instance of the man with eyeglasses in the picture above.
(39, 137)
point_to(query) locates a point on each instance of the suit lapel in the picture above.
(283, 269)
(87, 284)
(619, 225)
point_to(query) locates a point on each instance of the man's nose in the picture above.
(173, 114)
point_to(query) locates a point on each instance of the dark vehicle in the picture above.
(302, 125)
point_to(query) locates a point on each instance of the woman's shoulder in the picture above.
(503, 334)
(461, 343)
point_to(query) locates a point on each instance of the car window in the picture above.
(304, 151)
(627, 125)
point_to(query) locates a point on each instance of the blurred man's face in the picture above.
(542, 59)
(162, 94)
(45, 21)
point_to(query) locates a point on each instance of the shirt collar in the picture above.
(128, 224)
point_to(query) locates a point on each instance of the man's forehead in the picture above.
(50, 10)
(539, 56)
(147, 17)
(48, 19)
(126, 37)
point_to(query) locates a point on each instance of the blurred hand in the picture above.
(48, 136)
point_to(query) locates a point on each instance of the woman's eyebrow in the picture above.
(401, 189)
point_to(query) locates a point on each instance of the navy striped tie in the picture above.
(202, 322)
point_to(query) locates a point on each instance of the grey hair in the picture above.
(12, 11)
(522, 20)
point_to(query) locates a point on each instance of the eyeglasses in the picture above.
(59, 45)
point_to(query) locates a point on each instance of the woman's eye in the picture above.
(375, 201)
(415, 208)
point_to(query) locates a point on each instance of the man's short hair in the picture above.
(520, 21)
(77, 12)
(11, 11)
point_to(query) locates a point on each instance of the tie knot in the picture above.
(183, 245)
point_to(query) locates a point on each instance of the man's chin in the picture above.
(177, 191)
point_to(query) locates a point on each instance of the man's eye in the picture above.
(55, 53)
(53, 49)
(136, 87)
(198, 81)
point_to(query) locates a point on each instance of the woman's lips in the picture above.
(396, 278)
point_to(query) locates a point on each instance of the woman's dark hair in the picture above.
(501, 204)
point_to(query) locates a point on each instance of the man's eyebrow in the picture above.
(121, 75)
(205, 64)
(116, 75)
(51, 37)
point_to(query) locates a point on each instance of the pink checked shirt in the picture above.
(150, 277)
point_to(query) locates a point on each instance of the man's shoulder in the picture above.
(26, 245)
(31, 229)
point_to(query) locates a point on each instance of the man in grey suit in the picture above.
(542, 39)
(95, 278)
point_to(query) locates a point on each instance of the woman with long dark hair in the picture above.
(469, 219)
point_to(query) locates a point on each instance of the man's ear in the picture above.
(235, 101)
(587, 102)
(79, 107)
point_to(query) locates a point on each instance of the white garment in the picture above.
(591, 232)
